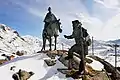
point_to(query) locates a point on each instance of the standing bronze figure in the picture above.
(82, 40)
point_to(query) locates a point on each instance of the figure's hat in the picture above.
(76, 21)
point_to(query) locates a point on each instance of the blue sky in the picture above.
(97, 16)
(20, 19)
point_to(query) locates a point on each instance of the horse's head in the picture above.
(59, 25)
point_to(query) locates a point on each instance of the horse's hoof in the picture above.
(50, 49)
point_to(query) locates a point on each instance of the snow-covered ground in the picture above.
(34, 63)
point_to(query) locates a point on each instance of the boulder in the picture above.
(50, 62)
(22, 75)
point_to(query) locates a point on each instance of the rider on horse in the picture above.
(50, 17)
(51, 28)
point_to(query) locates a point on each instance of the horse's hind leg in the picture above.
(55, 41)
(44, 43)
(42, 47)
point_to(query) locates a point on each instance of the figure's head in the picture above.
(75, 23)
(49, 9)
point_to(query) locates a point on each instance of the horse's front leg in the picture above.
(44, 43)
(50, 43)
(55, 41)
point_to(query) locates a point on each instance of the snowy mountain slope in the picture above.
(103, 50)
(34, 42)
(11, 41)
(115, 41)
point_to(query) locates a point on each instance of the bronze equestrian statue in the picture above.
(51, 28)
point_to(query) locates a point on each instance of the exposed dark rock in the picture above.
(52, 56)
(50, 62)
(2, 61)
(1, 37)
(12, 68)
(19, 53)
(22, 75)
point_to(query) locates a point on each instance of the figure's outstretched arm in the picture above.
(68, 37)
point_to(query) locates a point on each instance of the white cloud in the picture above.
(100, 23)
(35, 12)
(111, 28)
(109, 3)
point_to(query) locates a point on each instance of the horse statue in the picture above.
(51, 31)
